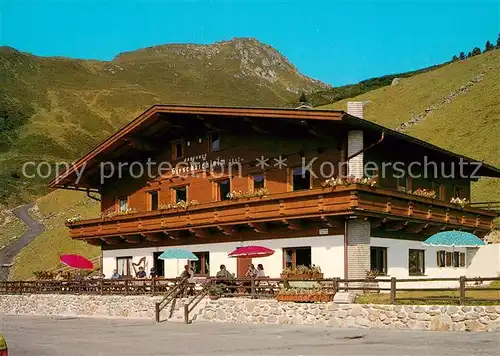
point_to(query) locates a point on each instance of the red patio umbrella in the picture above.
(251, 252)
(76, 261)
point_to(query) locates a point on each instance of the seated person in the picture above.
(224, 273)
(260, 271)
(225, 277)
(141, 273)
(115, 275)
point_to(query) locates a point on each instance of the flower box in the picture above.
(305, 298)
(302, 276)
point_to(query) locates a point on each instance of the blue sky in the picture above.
(338, 42)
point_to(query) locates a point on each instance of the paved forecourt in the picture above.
(57, 336)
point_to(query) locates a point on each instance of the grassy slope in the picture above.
(43, 253)
(469, 125)
(56, 109)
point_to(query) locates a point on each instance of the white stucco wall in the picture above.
(485, 261)
(326, 252)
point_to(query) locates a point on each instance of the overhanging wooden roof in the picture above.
(146, 121)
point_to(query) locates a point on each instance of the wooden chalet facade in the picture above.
(208, 152)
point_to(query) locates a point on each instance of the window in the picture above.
(124, 265)
(450, 259)
(297, 256)
(180, 194)
(301, 179)
(177, 149)
(440, 190)
(416, 262)
(223, 189)
(214, 142)
(458, 192)
(441, 258)
(202, 266)
(123, 204)
(153, 200)
(258, 181)
(404, 184)
(378, 259)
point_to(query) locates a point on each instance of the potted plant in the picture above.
(372, 282)
(215, 291)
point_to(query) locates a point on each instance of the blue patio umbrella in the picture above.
(454, 239)
(178, 254)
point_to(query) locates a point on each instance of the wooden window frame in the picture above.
(419, 251)
(408, 184)
(215, 188)
(384, 271)
(209, 140)
(251, 180)
(290, 180)
(173, 194)
(174, 149)
(457, 191)
(118, 203)
(129, 265)
(294, 255)
(203, 264)
(150, 202)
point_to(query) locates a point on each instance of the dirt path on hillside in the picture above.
(10, 251)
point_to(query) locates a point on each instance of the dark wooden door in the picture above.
(242, 266)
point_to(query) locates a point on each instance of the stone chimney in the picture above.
(355, 141)
(355, 108)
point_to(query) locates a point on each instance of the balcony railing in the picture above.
(354, 199)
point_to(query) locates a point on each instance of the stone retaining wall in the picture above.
(410, 317)
(79, 305)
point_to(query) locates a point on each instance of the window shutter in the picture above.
(438, 260)
(462, 260)
(448, 259)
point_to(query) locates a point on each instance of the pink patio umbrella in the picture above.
(76, 261)
(251, 252)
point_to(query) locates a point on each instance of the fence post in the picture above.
(126, 287)
(462, 290)
(335, 285)
(157, 312)
(101, 282)
(186, 313)
(393, 290)
(153, 285)
(252, 288)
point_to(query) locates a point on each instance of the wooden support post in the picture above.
(126, 287)
(186, 313)
(101, 282)
(462, 290)
(157, 312)
(153, 285)
(393, 290)
(252, 291)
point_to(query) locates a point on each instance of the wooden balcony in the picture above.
(289, 214)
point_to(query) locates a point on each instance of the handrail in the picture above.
(159, 306)
(189, 307)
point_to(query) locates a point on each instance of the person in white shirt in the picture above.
(260, 271)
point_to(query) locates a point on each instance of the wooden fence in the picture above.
(268, 287)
